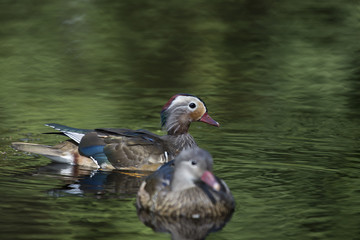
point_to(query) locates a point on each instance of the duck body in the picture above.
(186, 187)
(110, 148)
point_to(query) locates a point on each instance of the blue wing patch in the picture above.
(97, 152)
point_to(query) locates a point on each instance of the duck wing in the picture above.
(120, 147)
(159, 181)
(126, 148)
(75, 134)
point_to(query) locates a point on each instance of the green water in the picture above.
(282, 78)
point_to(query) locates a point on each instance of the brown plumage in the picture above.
(186, 188)
(110, 148)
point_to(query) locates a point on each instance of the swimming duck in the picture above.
(109, 148)
(186, 187)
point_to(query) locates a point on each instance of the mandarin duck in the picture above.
(186, 187)
(109, 148)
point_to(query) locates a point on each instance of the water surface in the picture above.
(281, 78)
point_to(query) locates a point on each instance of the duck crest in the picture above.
(164, 113)
(164, 117)
(166, 106)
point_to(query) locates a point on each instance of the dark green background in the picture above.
(281, 77)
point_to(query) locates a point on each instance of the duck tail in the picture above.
(61, 153)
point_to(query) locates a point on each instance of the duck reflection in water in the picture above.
(182, 227)
(101, 184)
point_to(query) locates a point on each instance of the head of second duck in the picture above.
(193, 165)
(182, 109)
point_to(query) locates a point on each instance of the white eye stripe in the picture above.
(183, 100)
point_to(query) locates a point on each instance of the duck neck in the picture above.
(176, 143)
(175, 123)
(181, 181)
(178, 128)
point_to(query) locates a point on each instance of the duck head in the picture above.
(192, 165)
(182, 109)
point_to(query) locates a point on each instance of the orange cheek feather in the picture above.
(197, 114)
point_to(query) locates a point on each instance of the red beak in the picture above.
(210, 180)
(207, 119)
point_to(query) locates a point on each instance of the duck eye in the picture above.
(192, 105)
(193, 162)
